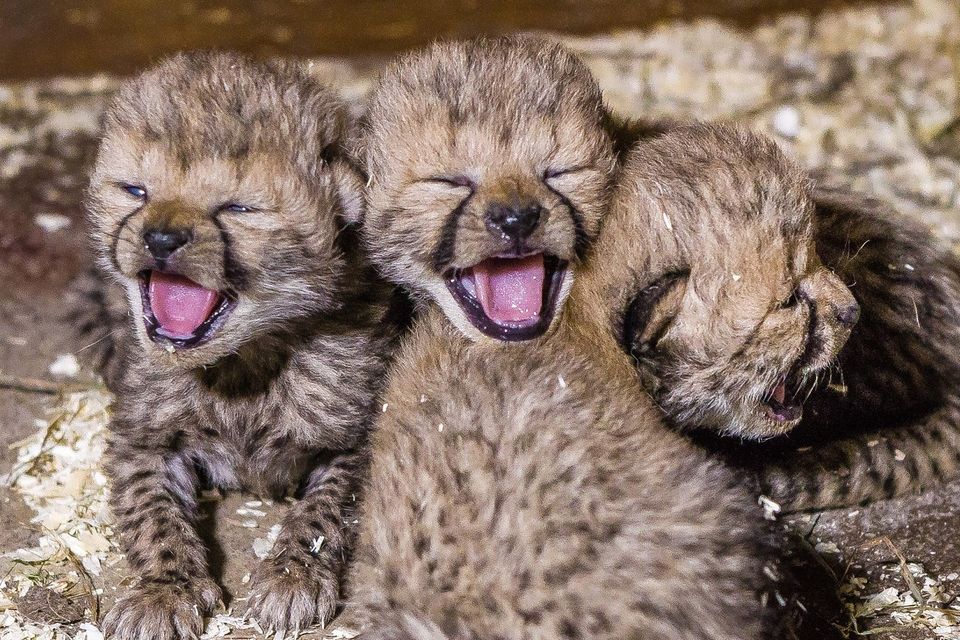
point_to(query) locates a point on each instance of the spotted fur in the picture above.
(277, 401)
(884, 419)
(521, 490)
(525, 492)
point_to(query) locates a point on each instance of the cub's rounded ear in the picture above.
(349, 181)
(651, 311)
(626, 132)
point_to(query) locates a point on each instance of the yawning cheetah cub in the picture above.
(487, 197)
(217, 201)
(522, 491)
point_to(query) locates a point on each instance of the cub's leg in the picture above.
(871, 466)
(154, 502)
(299, 582)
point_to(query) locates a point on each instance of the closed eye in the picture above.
(789, 301)
(453, 181)
(556, 173)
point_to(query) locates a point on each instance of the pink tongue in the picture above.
(510, 289)
(179, 304)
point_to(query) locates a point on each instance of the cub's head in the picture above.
(489, 168)
(709, 272)
(215, 201)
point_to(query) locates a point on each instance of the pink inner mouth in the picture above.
(778, 407)
(179, 304)
(510, 290)
(780, 392)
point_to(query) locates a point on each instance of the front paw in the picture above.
(780, 486)
(161, 611)
(285, 595)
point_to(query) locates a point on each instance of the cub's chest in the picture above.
(251, 445)
(250, 422)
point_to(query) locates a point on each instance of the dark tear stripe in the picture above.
(747, 342)
(116, 236)
(235, 274)
(812, 340)
(582, 241)
(442, 254)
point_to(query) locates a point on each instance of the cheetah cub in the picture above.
(713, 282)
(520, 490)
(218, 201)
(891, 422)
(803, 316)
(489, 196)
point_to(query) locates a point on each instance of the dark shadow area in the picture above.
(207, 528)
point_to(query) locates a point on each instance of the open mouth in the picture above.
(179, 312)
(509, 298)
(783, 403)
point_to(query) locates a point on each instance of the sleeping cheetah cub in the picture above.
(883, 416)
(521, 491)
(891, 424)
(217, 202)
(714, 284)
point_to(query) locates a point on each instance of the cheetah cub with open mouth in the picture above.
(520, 490)
(488, 197)
(218, 201)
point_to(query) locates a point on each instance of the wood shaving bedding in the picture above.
(58, 473)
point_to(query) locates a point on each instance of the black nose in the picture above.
(849, 315)
(513, 222)
(162, 243)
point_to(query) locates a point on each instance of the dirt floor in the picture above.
(868, 97)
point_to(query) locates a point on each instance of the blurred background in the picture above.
(42, 38)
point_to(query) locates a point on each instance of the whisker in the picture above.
(851, 258)
(98, 340)
(813, 387)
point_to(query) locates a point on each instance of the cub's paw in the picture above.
(285, 595)
(780, 484)
(161, 611)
